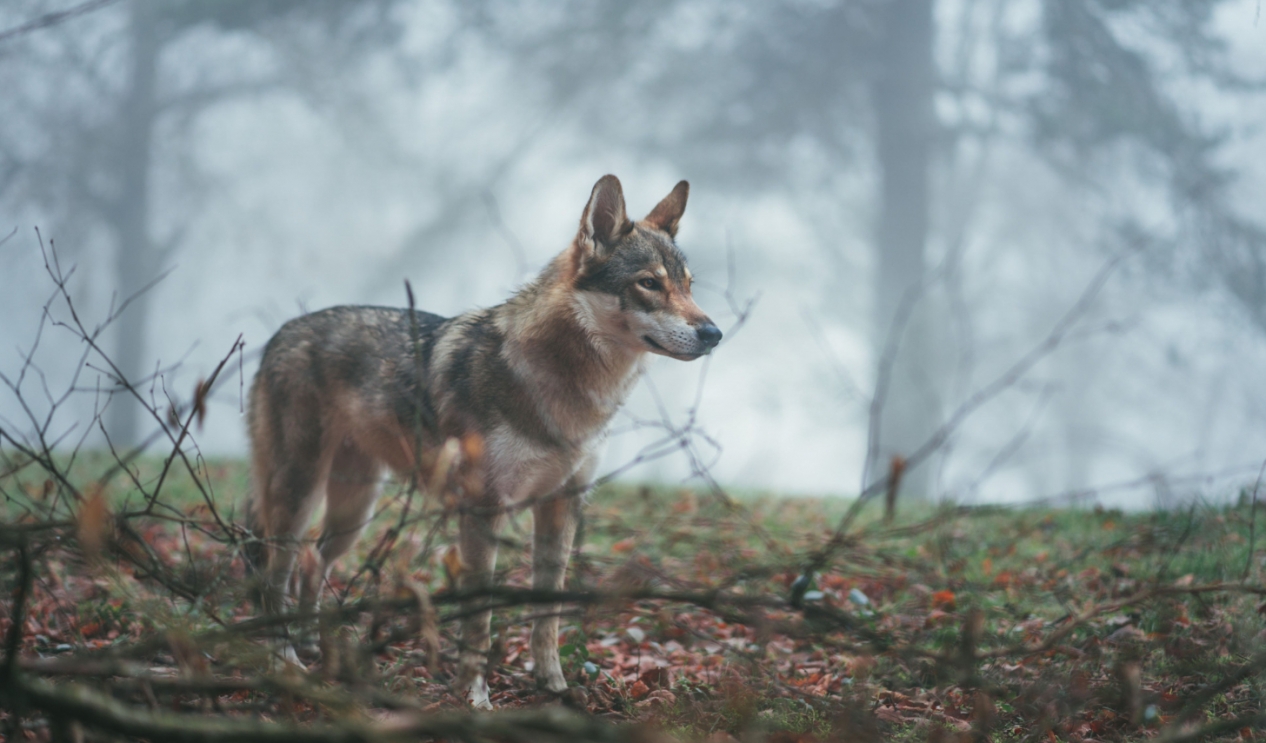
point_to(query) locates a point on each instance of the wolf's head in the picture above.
(632, 284)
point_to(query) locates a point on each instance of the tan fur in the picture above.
(529, 386)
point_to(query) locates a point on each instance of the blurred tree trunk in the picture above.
(110, 160)
(136, 259)
(901, 94)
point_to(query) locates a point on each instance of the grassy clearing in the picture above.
(1012, 624)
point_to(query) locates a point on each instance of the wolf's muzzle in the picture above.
(709, 335)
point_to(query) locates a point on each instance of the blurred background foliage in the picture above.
(928, 182)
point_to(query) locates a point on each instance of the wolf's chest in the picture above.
(581, 413)
(519, 468)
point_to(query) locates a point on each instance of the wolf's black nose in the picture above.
(709, 334)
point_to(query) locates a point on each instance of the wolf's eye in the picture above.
(649, 284)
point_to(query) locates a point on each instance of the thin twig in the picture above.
(53, 19)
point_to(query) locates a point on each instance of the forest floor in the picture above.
(947, 623)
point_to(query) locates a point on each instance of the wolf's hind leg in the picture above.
(479, 557)
(553, 529)
(286, 473)
(350, 491)
(286, 508)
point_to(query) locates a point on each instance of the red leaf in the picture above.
(656, 678)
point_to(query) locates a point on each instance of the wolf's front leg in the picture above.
(553, 529)
(274, 591)
(479, 556)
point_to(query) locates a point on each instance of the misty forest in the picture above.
(977, 458)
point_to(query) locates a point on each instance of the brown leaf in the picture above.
(638, 689)
(200, 401)
(944, 600)
(624, 545)
(93, 523)
(453, 565)
(657, 678)
(687, 503)
(472, 447)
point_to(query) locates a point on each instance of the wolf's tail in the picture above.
(254, 548)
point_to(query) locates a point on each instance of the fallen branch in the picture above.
(100, 712)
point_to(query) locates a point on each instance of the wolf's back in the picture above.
(346, 344)
(378, 356)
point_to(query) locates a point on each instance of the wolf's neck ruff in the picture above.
(554, 344)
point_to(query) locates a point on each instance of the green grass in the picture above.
(1018, 573)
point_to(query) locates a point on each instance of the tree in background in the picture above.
(1106, 94)
(117, 123)
(796, 97)
(905, 131)
(731, 94)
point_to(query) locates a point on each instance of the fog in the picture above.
(1093, 174)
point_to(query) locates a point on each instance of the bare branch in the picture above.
(53, 19)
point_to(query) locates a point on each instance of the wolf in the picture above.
(344, 393)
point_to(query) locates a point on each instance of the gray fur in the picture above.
(345, 392)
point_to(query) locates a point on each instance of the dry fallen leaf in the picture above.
(624, 545)
(453, 565)
(656, 678)
(93, 523)
(687, 503)
(472, 447)
(661, 697)
(200, 393)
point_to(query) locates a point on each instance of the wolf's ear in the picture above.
(604, 221)
(667, 213)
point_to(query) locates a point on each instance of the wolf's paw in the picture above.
(308, 651)
(550, 678)
(575, 697)
(477, 693)
(552, 682)
(290, 657)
